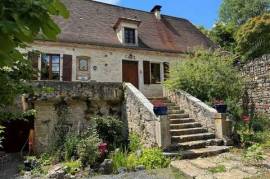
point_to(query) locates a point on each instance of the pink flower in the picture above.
(246, 118)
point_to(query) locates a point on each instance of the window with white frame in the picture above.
(155, 73)
(129, 36)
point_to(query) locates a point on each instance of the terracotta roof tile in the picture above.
(92, 22)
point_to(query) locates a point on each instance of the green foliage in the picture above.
(223, 35)
(134, 142)
(207, 76)
(254, 154)
(72, 167)
(88, 147)
(13, 80)
(238, 12)
(109, 128)
(253, 37)
(119, 159)
(260, 122)
(22, 21)
(153, 158)
(70, 146)
(132, 161)
(217, 169)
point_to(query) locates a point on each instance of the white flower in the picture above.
(6, 69)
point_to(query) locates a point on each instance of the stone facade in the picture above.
(83, 100)
(257, 74)
(194, 107)
(105, 63)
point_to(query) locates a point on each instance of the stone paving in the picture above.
(224, 166)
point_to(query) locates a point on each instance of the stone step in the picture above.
(187, 145)
(201, 152)
(176, 116)
(176, 111)
(181, 121)
(187, 131)
(192, 137)
(185, 125)
(173, 107)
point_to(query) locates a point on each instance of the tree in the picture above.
(223, 35)
(207, 76)
(253, 37)
(20, 23)
(239, 11)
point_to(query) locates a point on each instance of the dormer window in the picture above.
(130, 36)
(127, 31)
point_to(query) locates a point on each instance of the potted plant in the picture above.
(220, 106)
(160, 108)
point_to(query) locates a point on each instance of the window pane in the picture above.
(55, 68)
(55, 76)
(155, 73)
(55, 59)
(129, 36)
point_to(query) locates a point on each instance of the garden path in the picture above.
(223, 166)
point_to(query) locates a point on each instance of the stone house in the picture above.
(107, 43)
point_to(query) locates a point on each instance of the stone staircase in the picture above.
(188, 138)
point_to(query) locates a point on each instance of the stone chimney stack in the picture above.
(156, 10)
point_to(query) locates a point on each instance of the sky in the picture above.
(199, 12)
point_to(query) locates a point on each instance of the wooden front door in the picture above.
(130, 72)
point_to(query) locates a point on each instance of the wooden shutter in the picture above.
(146, 72)
(67, 67)
(33, 56)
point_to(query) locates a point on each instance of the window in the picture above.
(166, 67)
(155, 73)
(50, 67)
(83, 64)
(130, 36)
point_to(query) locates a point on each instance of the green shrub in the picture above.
(134, 142)
(119, 159)
(208, 76)
(72, 167)
(153, 158)
(88, 148)
(110, 129)
(254, 154)
(70, 146)
(260, 122)
(132, 161)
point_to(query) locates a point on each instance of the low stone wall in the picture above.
(194, 107)
(257, 75)
(141, 118)
(83, 101)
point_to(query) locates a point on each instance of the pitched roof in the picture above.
(92, 22)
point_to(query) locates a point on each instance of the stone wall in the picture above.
(140, 115)
(194, 107)
(257, 74)
(83, 101)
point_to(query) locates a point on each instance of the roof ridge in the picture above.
(144, 11)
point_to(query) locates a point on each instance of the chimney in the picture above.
(156, 10)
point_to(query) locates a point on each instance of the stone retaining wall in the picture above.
(194, 107)
(140, 115)
(257, 74)
(83, 101)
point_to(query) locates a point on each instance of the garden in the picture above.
(100, 148)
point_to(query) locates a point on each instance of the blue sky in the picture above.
(199, 12)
